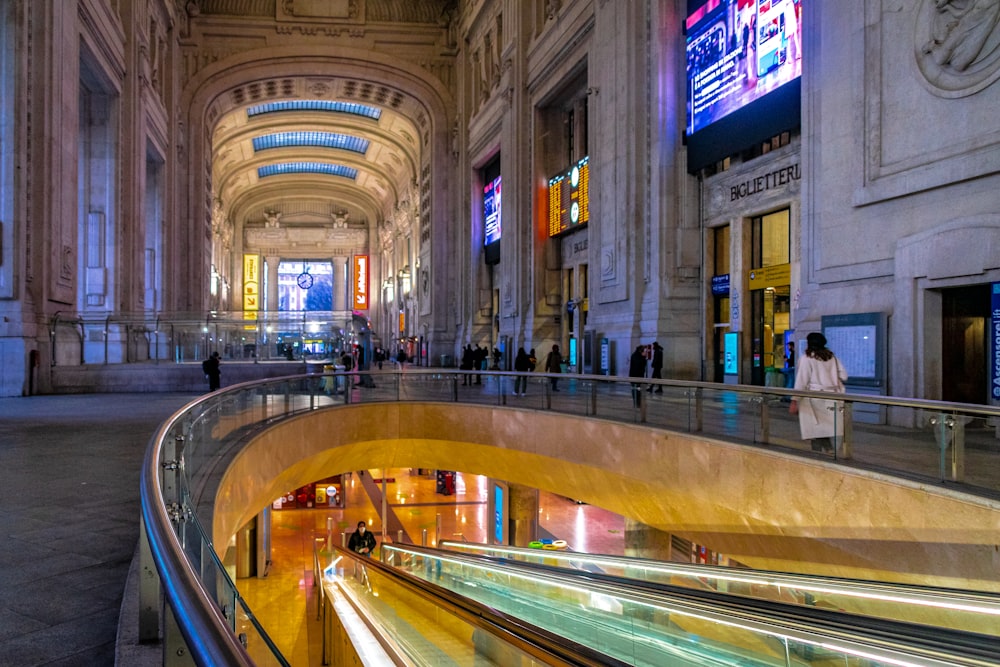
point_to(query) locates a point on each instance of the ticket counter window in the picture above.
(769, 283)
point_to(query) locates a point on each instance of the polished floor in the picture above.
(285, 600)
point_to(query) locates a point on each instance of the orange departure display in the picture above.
(569, 199)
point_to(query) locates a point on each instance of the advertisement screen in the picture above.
(738, 51)
(361, 282)
(569, 198)
(491, 211)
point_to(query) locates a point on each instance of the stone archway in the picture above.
(420, 196)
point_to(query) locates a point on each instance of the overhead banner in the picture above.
(251, 282)
(361, 282)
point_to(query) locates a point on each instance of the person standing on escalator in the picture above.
(362, 541)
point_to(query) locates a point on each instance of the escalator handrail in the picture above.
(974, 601)
(773, 617)
(538, 642)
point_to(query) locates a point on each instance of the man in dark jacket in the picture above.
(362, 541)
(637, 369)
(657, 366)
(211, 366)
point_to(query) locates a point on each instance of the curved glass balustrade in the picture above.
(672, 627)
(935, 441)
(941, 607)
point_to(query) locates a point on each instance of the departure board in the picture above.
(569, 198)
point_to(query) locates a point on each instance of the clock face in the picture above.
(305, 281)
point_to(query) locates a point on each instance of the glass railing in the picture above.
(121, 338)
(686, 627)
(413, 623)
(941, 607)
(931, 441)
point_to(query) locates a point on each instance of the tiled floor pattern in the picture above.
(285, 601)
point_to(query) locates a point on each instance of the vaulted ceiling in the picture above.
(339, 154)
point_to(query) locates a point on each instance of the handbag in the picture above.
(793, 407)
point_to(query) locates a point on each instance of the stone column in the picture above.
(642, 541)
(272, 282)
(523, 514)
(341, 284)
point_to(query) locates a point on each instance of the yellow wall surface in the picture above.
(764, 508)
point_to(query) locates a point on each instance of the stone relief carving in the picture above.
(272, 219)
(334, 9)
(552, 9)
(957, 45)
(607, 263)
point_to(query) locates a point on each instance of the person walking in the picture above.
(481, 355)
(656, 364)
(468, 359)
(553, 364)
(637, 369)
(820, 420)
(213, 372)
(522, 364)
(362, 541)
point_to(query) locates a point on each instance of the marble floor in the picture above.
(285, 600)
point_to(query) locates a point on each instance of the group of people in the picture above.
(476, 359)
(643, 355)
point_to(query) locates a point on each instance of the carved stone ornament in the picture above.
(958, 45)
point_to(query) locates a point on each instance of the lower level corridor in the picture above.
(285, 600)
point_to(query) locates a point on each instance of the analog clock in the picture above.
(305, 280)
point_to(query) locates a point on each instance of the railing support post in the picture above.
(150, 602)
(845, 448)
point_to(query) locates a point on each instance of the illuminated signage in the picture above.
(995, 341)
(569, 199)
(361, 282)
(770, 276)
(491, 211)
(251, 282)
(738, 51)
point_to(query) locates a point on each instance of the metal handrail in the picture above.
(201, 622)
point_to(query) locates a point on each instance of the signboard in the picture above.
(770, 276)
(492, 211)
(569, 198)
(995, 341)
(859, 341)
(251, 282)
(720, 285)
(731, 350)
(361, 282)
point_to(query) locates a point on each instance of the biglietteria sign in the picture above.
(361, 282)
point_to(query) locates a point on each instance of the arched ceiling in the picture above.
(382, 174)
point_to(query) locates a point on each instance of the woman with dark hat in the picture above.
(819, 370)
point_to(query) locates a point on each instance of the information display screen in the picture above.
(491, 211)
(569, 198)
(744, 75)
(737, 52)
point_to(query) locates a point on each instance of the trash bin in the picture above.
(447, 361)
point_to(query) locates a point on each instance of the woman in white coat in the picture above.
(819, 370)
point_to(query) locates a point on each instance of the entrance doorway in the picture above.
(770, 309)
(964, 315)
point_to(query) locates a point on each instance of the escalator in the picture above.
(639, 622)
(942, 607)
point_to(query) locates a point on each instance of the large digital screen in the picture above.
(569, 198)
(491, 211)
(489, 176)
(739, 52)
